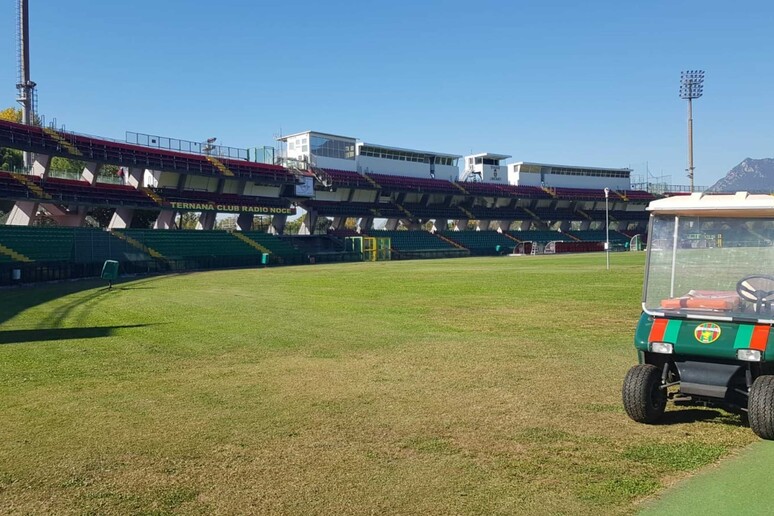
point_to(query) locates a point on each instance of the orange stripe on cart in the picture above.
(657, 330)
(760, 337)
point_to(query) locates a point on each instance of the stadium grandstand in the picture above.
(419, 199)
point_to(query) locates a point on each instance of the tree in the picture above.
(144, 219)
(11, 114)
(11, 159)
(102, 216)
(227, 223)
(322, 226)
(14, 114)
(189, 220)
(69, 166)
(351, 223)
(261, 222)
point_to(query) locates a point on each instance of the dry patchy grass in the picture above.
(438, 387)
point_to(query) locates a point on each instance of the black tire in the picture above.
(760, 407)
(643, 397)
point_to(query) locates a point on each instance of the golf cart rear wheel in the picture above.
(643, 397)
(760, 407)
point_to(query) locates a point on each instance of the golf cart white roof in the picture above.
(740, 204)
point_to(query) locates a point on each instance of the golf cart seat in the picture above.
(704, 300)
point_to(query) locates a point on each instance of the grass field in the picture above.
(480, 385)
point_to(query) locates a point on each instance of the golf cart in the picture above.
(707, 309)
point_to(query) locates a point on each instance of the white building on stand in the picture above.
(338, 152)
(568, 176)
(486, 167)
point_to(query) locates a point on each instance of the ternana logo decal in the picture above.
(707, 333)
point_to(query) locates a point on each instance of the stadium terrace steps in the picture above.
(583, 214)
(65, 244)
(531, 213)
(31, 186)
(621, 195)
(36, 139)
(190, 243)
(11, 187)
(96, 246)
(252, 243)
(573, 237)
(347, 178)
(450, 241)
(413, 184)
(322, 248)
(412, 240)
(91, 245)
(142, 247)
(466, 212)
(480, 242)
(39, 244)
(71, 191)
(550, 191)
(220, 166)
(583, 194)
(58, 138)
(279, 247)
(460, 188)
(9, 254)
(404, 210)
(371, 180)
(153, 195)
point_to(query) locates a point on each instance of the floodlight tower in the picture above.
(607, 228)
(25, 86)
(691, 87)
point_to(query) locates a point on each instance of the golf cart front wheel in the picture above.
(760, 407)
(643, 397)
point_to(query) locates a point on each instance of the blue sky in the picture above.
(586, 83)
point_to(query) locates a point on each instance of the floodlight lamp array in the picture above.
(691, 84)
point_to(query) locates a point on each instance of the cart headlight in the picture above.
(662, 347)
(748, 355)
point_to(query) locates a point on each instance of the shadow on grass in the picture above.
(18, 299)
(38, 335)
(694, 415)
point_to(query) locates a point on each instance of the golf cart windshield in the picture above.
(712, 268)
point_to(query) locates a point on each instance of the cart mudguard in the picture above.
(709, 379)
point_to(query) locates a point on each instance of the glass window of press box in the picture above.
(332, 148)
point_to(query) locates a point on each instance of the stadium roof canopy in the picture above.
(739, 204)
(570, 166)
(489, 155)
(317, 133)
(413, 151)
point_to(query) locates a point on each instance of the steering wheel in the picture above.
(758, 289)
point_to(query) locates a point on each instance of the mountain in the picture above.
(751, 175)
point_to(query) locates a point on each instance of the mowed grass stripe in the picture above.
(481, 385)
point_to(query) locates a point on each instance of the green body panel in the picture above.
(642, 332)
(680, 332)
